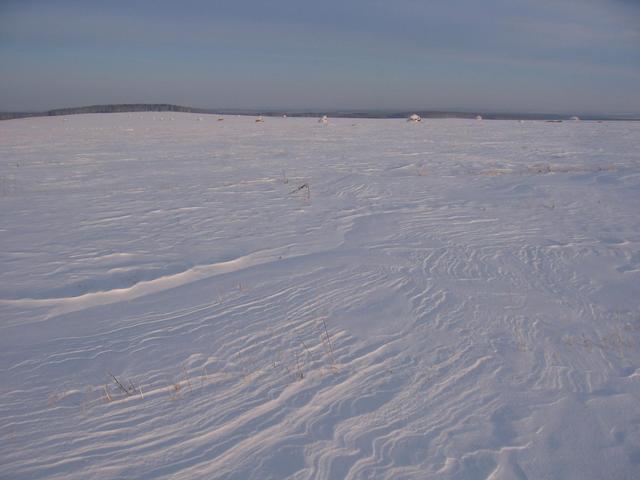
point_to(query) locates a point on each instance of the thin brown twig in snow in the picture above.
(300, 372)
(188, 378)
(122, 387)
(301, 187)
(306, 348)
(326, 331)
(107, 394)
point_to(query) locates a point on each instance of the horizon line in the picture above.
(313, 111)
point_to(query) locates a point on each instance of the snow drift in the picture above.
(451, 302)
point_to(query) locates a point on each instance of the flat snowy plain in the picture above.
(451, 299)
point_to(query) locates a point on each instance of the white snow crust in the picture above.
(365, 299)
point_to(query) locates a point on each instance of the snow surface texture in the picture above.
(363, 299)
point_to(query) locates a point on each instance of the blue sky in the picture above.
(502, 55)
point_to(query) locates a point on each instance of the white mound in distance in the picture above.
(575, 118)
(414, 118)
(324, 119)
(259, 119)
(479, 117)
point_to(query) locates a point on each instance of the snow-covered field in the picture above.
(450, 299)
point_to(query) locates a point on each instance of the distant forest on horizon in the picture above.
(166, 107)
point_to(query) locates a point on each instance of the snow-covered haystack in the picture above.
(324, 119)
(575, 118)
(259, 119)
(479, 117)
(414, 118)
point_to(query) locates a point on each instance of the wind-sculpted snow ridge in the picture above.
(182, 297)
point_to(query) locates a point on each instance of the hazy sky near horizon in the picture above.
(502, 55)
